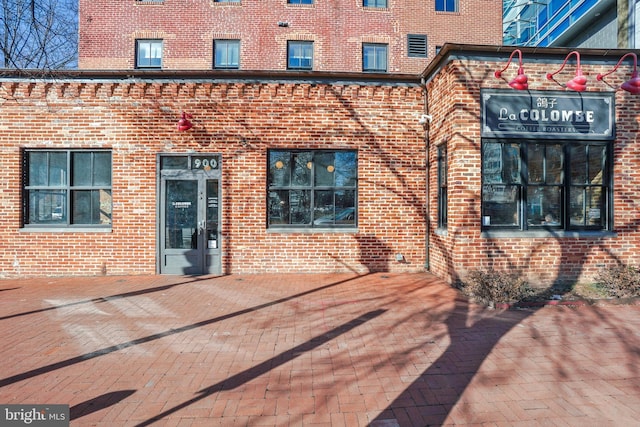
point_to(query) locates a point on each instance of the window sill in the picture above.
(66, 230)
(555, 234)
(316, 230)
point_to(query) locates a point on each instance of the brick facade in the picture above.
(136, 119)
(454, 102)
(108, 30)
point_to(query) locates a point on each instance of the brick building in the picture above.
(450, 170)
(541, 181)
(394, 36)
(276, 174)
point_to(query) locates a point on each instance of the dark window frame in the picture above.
(377, 4)
(307, 2)
(443, 171)
(514, 176)
(141, 64)
(377, 49)
(227, 42)
(298, 62)
(449, 6)
(52, 196)
(299, 196)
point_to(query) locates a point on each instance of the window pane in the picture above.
(334, 208)
(555, 165)
(324, 169)
(500, 205)
(279, 207)
(57, 169)
(535, 157)
(106, 203)
(300, 206)
(578, 156)
(511, 163)
(501, 163)
(81, 169)
(346, 169)
(174, 162)
(102, 168)
(596, 164)
(492, 163)
(279, 168)
(47, 206)
(543, 206)
(38, 168)
(301, 174)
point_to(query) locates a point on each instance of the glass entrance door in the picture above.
(189, 236)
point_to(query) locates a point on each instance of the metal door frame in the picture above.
(209, 257)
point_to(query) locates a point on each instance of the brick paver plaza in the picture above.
(292, 350)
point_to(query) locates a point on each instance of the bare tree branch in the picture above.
(38, 34)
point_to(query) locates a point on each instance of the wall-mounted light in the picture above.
(579, 82)
(633, 84)
(184, 123)
(520, 82)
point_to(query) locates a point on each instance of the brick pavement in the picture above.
(376, 350)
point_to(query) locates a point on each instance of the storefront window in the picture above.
(64, 188)
(538, 185)
(312, 188)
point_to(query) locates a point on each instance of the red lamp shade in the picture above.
(184, 123)
(579, 82)
(520, 82)
(633, 84)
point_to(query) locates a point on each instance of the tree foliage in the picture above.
(38, 34)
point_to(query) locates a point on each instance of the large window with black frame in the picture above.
(535, 185)
(67, 188)
(312, 189)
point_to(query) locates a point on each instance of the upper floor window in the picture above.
(446, 5)
(148, 53)
(531, 185)
(64, 188)
(374, 57)
(375, 3)
(299, 55)
(226, 54)
(300, 1)
(227, 1)
(312, 188)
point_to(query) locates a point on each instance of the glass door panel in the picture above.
(181, 214)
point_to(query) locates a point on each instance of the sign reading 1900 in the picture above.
(543, 114)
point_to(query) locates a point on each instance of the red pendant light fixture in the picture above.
(579, 82)
(520, 82)
(633, 84)
(184, 123)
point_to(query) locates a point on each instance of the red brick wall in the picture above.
(137, 120)
(542, 260)
(108, 30)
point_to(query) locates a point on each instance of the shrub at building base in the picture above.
(495, 287)
(621, 281)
